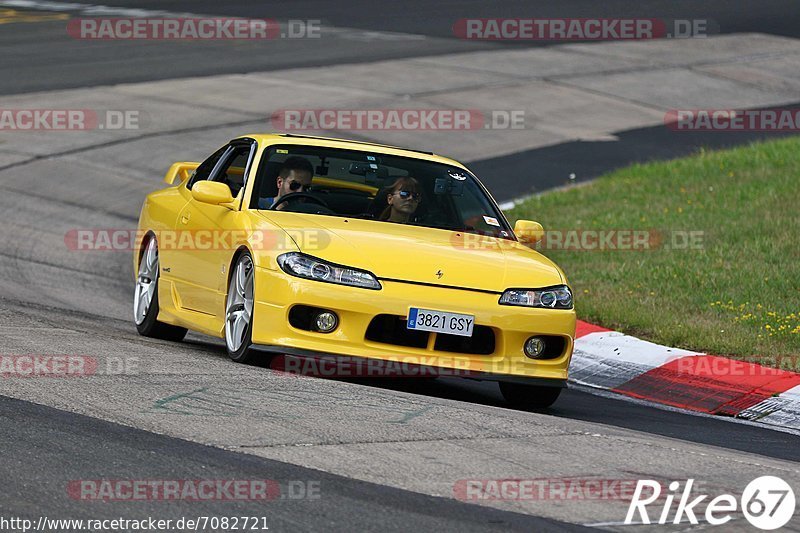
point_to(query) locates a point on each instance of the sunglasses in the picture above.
(405, 195)
(296, 185)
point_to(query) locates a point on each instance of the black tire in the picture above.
(150, 326)
(243, 353)
(529, 397)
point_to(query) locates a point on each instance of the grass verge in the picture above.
(720, 270)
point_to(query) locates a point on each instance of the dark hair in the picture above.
(406, 183)
(294, 162)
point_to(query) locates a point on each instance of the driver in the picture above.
(295, 175)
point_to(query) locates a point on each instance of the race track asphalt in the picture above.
(387, 453)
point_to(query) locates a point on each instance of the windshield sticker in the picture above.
(281, 151)
(457, 176)
(491, 221)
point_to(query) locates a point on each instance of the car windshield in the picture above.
(375, 186)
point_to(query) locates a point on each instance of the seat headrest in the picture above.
(379, 203)
(269, 185)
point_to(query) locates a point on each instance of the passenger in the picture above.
(403, 198)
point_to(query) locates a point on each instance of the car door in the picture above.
(204, 237)
(168, 252)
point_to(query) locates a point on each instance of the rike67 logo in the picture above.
(767, 502)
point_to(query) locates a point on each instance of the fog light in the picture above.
(534, 347)
(326, 322)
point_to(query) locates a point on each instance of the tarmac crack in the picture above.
(401, 441)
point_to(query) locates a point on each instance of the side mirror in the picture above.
(212, 192)
(180, 170)
(528, 231)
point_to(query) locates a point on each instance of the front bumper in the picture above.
(276, 293)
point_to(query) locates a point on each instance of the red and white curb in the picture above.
(619, 363)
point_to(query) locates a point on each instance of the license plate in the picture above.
(440, 322)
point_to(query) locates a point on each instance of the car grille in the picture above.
(391, 329)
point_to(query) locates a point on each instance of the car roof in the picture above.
(346, 144)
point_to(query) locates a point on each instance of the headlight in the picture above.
(558, 297)
(305, 266)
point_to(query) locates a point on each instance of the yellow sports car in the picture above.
(314, 247)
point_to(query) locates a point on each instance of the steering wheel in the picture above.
(293, 196)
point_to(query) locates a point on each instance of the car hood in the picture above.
(418, 254)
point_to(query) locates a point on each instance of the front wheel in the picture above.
(145, 299)
(529, 397)
(239, 311)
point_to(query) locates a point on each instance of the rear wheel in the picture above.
(145, 299)
(239, 311)
(529, 397)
